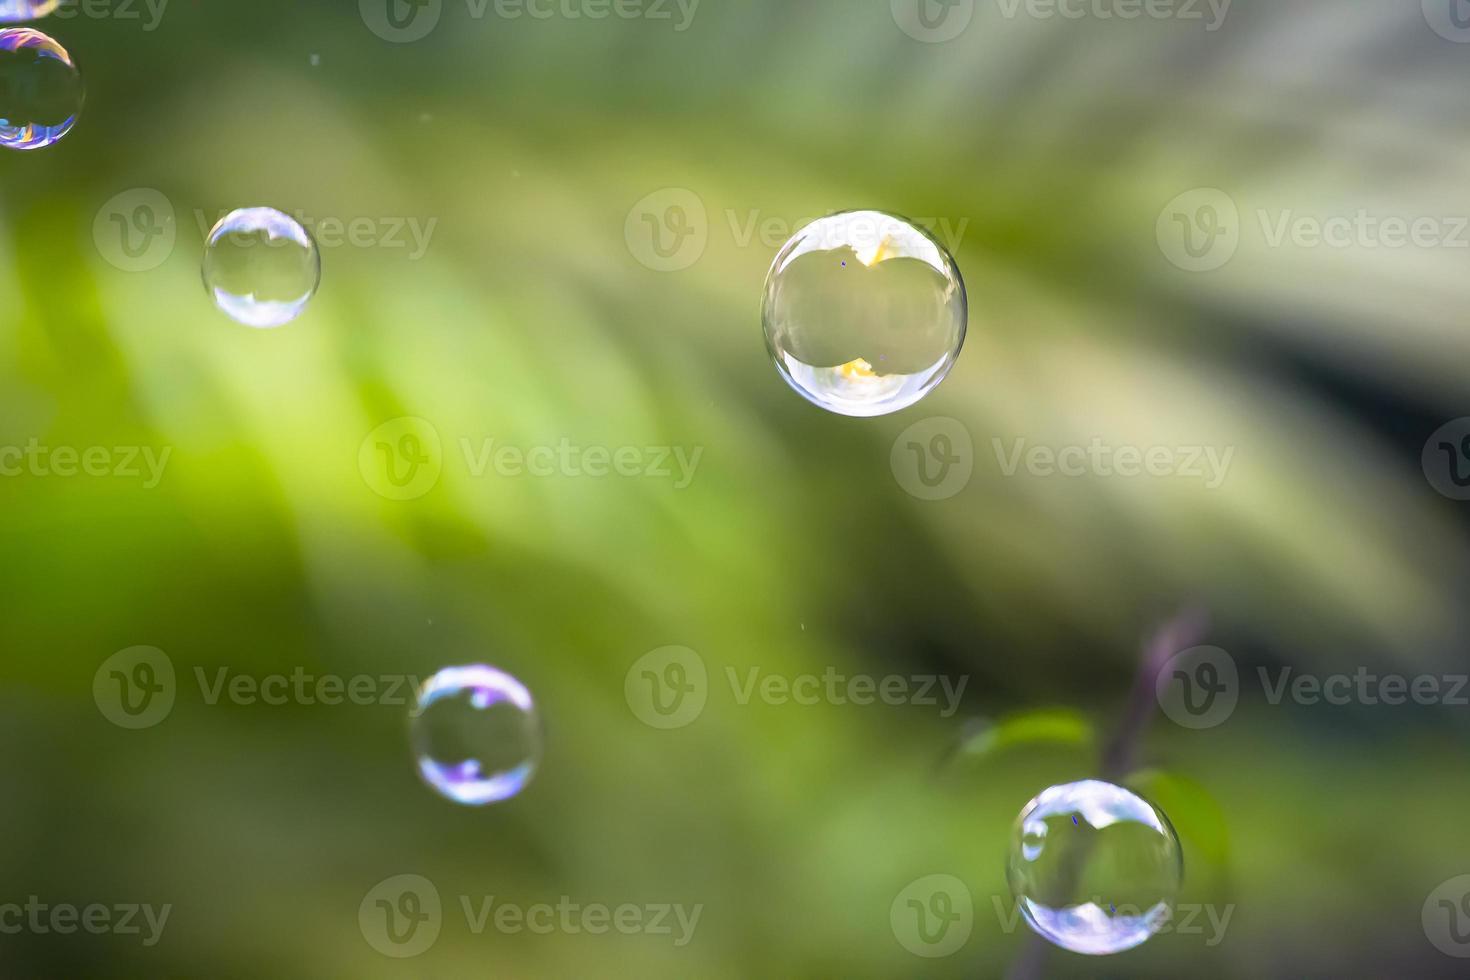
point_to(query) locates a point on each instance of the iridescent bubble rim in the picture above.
(268, 221)
(277, 228)
(465, 782)
(1100, 804)
(1091, 930)
(874, 237)
(1088, 928)
(19, 11)
(856, 389)
(27, 135)
(486, 685)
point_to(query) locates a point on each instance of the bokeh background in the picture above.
(1050, 152)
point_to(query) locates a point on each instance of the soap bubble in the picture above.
(864, 313)
(40, 89)
(1094, 868)
(261, 267)
(20, 11)
(476, 734)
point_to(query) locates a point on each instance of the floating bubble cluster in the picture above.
(476, 734)
(864, 313)
(20, 11)
(1094, 868)
(261, 267)
(41, 90)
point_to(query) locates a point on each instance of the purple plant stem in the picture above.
(1120, 757)
(1186, 630)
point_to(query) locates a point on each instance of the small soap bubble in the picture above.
(1094, 868)
(20, 11)
(261, 267)
(41, 91)
(476, 734)
(864, 313)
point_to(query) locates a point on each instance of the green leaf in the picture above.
(1058, 726)
(1195, 814)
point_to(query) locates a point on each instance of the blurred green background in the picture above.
(534, 152)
